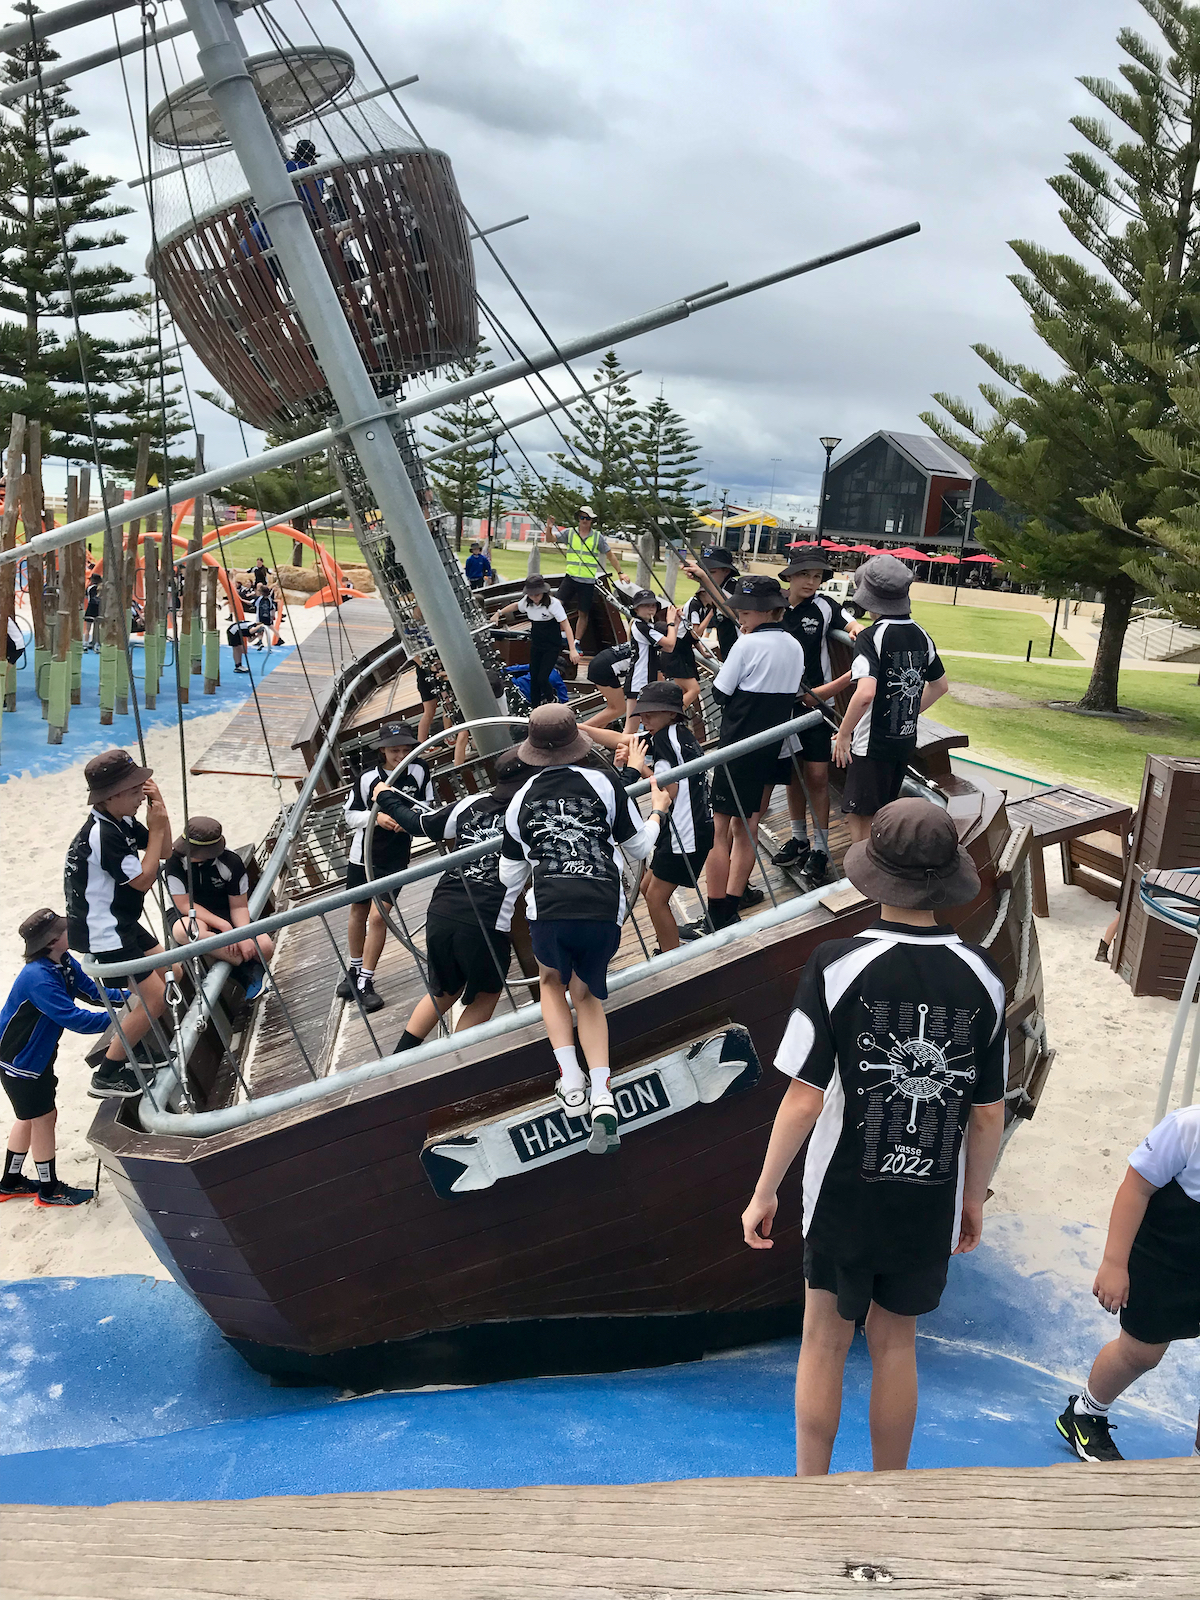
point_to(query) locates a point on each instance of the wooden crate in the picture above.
(1095, 862)
(1152, 958)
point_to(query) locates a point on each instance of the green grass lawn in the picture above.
(1001, 633)
(1107, 757)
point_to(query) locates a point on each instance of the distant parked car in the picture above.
(839, 589)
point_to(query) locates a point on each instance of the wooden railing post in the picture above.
(8, 539)
(151, 640)
(195, 570)
(212, 634)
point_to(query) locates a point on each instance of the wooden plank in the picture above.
(1041, 1533)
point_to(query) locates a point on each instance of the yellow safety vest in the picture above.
(583, 557)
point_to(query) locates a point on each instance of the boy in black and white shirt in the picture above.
(809, 617)
(899, 1050)
(210, 888)
(1150, 1275)
(717, 564)
(391, 847)
(756, 689)
(897, 674)
(686, 838)
(547, 624)
(645, 640)
(112, 862)
(566, 828)
(468, 955)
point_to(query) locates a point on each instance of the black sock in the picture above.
(13, 1167)
(407, 1041)
(47, 1177)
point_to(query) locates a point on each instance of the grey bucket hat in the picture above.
(882, 585)
(913, 859)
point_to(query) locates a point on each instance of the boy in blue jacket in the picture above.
(41, 1003)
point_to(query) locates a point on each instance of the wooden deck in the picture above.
(1047, 1533)
(287, 695)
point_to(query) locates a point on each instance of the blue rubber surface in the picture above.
(23, 747)
(121, 1389)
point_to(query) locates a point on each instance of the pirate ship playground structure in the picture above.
(343, 1213)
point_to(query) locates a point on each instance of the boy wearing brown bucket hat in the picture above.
(112, 863)
(897, 674)
(898, 1052)
(210, 888)
(566, 828)
(41, 1003)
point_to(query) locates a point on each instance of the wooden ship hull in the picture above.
(334, 1240)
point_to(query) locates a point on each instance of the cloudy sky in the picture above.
(659, 147)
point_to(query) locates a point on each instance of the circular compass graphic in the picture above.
(919, 1070)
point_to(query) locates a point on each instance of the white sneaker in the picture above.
(604, 1137)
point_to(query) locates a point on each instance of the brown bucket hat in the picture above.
(913, 859)
(202, 838)
(111, 772)
(554, 738)
(40, 930)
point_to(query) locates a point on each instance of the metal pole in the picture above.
(829, 449)
(72, 69)
(968, 512)
(1053, 629)
(222, 60)
(492, 489)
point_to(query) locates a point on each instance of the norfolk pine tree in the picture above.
(41, 372)
(603, 447)
(1064, 450)
(664, 454)
(456, 478)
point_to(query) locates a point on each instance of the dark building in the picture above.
(904, 488)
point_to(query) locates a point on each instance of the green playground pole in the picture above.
(41, 678)
(212, 660)
(59, 699)
(76, 672)
(150, 668)
(108, 682)
(120, 683)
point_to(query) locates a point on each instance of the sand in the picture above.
(1065, 1163)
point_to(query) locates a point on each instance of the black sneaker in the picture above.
(345, 989)
(1102, 952)
(18, 1189)
(1090, 1437)
(114, 1081)
(689, 932)
(793, 854)
(62, 1194)
(816, 868)
(750, 897)
(367, 998)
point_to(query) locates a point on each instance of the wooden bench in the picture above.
(1062, 815)
(1095, 862)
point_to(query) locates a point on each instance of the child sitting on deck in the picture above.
(897, 674)
(898, 1050)
(210, 888)
(567, 826)
(1150, 1275)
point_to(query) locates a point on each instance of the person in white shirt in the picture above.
(547, 624)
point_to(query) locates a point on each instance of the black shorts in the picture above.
(870, 785)
(678, 663)
(462, 956)
(138, 943)
(602, 672)
(356, 873)
(745, 778)
(426, 685)
(671, 866)
(238, 632)
(575, 594)
(30, 1097)
(577, 946)
(816, 744)
(910, 1292)
(1164, 1287)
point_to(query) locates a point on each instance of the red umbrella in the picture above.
(866, 549)
(946, 561)
(907, 553)
(992, 561)
(828, 544)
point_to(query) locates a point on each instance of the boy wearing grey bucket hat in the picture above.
(897, 1046)
(897, 674)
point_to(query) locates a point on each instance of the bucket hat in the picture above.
(662, 696)
(202, 838)
(395, 734)
(511, 772)
(755, 593)
(715, 558)
(913, 859)
(536, 585)
(642, 597)
(111, 772)
(555, 739)
(811, 560)
(882, 585)
(40, 930)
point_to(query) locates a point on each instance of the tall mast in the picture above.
(222, 58)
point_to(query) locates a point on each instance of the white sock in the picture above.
(800, 830)
(365, 974)
(355, 963)
(1088, 1406)
(821, 836)
(601, 1093)
(568, 1067)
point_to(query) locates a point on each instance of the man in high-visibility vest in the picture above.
(587, 554)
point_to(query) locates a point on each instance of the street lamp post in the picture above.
(829, 446)
(775, 460)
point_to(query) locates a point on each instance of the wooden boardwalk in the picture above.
(1045, 1533)
(289, 692)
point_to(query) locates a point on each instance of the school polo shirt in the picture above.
(389, 850)
(902, 658)
(809, 624)
(471, 893)
(902, 1029)
(758, 682)
(567, 827)
(644, 640)
(103, 910)
(690, 825)
(214, 882)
